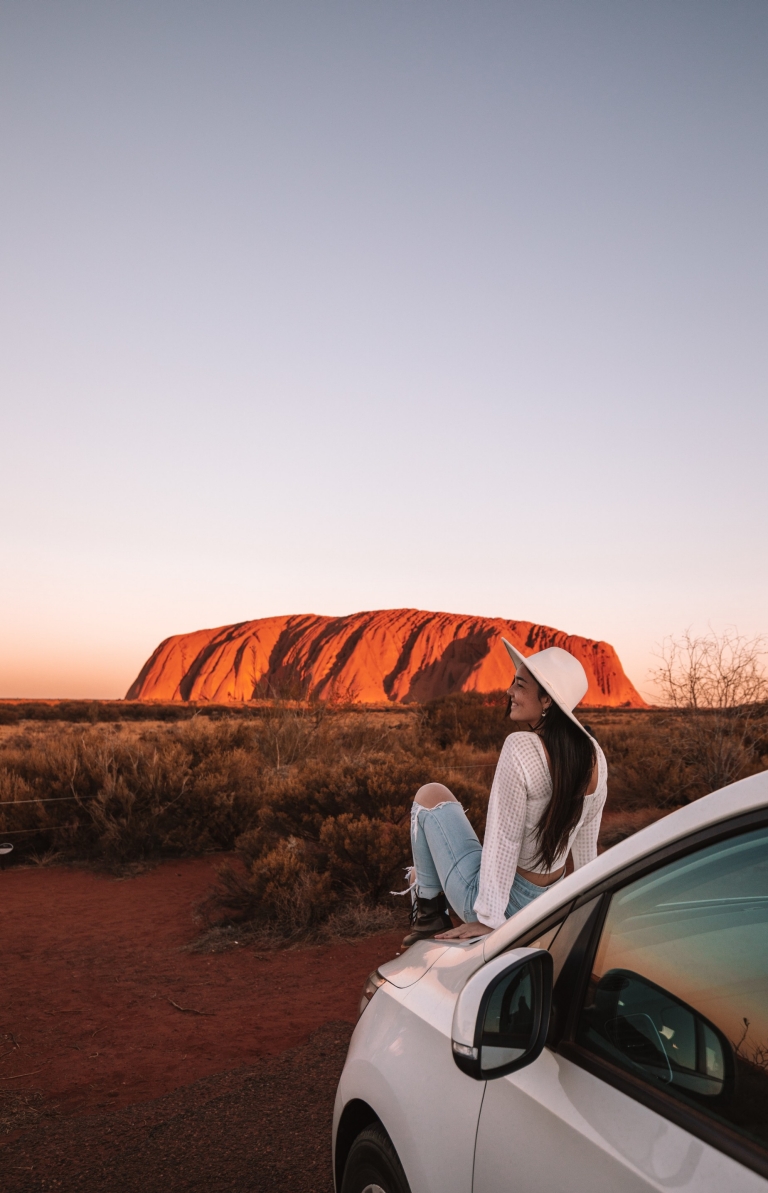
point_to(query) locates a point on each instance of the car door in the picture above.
(658, 1074)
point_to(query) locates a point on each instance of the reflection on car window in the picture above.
(679, 989)
(545, 940)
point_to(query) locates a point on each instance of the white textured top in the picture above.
(521, 790)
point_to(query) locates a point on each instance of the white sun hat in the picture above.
(559, 673)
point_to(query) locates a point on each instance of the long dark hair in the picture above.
(571, 759)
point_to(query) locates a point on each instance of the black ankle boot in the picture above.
(428, 917)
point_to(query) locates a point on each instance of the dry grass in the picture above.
(314, 800)
(348, 921)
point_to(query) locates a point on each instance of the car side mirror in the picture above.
(502, 1014)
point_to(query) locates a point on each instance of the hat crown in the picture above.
(561, 674)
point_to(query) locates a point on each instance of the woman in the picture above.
(546, 803)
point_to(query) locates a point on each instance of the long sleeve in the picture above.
(504, 831)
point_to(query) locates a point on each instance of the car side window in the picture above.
(678, 994)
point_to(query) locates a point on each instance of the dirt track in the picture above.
(261, 1128)
(115, 1087)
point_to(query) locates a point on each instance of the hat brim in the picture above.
(520, 660)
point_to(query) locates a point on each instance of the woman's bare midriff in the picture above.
(541, 879)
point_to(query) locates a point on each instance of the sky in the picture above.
(323, 307)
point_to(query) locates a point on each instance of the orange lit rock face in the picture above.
(396, 655)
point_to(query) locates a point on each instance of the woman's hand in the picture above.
(465, 932)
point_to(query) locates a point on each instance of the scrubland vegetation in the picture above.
(312, 800)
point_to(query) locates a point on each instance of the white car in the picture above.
(611, 1037)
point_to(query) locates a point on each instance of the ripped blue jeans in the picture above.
(446, 857)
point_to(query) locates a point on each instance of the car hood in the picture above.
(412, 964)
(455, 960)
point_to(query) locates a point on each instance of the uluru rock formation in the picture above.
(390, 655)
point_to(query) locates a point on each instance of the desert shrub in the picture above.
(365, 855)
(13, 712)
(721, 682)
(468, 718)
(313, 801)
(343, 828)
(655, 759)
(117, 800)
(281, 889)
(380, 786)
(646, 764)
(13, 788)
(617, 826)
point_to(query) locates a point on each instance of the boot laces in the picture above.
(410, 878)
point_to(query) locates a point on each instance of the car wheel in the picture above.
(372, 1165)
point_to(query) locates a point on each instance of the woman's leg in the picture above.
(446, 851)
(429, 796)
(432, 794)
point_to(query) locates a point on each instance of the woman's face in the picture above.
(526, 704)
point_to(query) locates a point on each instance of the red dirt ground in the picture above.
(91, 963)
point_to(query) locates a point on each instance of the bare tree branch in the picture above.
(721, 682)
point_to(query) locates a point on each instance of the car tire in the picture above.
(372, 1165)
